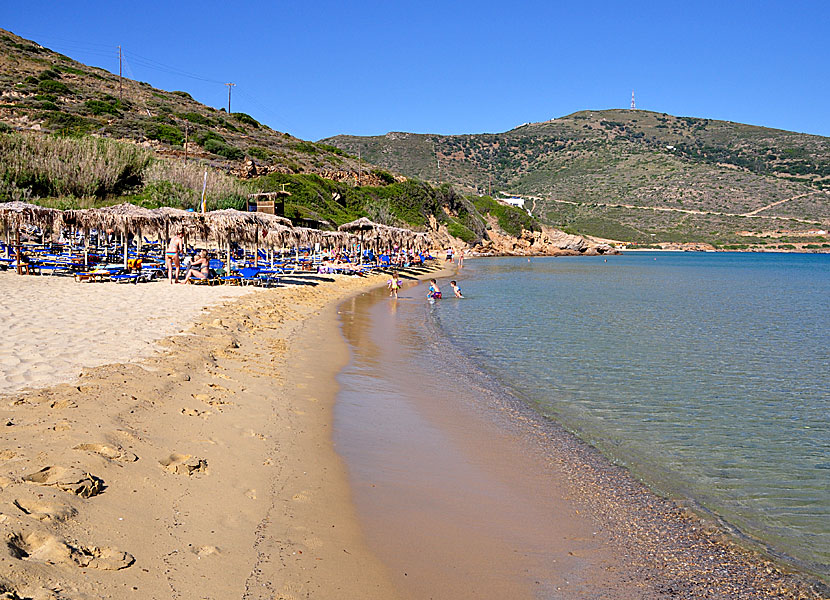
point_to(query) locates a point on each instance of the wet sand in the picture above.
(467, 493)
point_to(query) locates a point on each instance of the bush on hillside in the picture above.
(68, 124)
(164, 133)
(100, 107)
(50, 86)
(246, 119)
(195, 117)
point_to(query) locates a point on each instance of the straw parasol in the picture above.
(125, 218)
(229, 225)
(22, 213)
(358, 225)
(189, 222)
(19, 213)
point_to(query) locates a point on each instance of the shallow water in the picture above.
(706, 374)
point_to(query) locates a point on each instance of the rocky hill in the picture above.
(636, 176)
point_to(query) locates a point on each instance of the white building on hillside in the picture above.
(515, 201)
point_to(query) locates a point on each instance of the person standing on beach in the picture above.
(461, 259)
(394, 285)
(449, 253)
(172, 255)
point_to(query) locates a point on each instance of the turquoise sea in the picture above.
(707, 375)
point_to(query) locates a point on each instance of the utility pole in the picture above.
(230, 85)
(359, 168)
(186, 132)
(119, 74)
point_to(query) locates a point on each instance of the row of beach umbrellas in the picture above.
(257, 229)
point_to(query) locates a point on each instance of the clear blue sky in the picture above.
(317, 69)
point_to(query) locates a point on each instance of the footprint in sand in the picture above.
(206, 551)
(70, 479)
(211, 400)
(184, 464)
(43, 547)
(7, 454)
(62, 404)
(45, 511)
(108, 451)
(195, 412)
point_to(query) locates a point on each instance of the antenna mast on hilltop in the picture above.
(633, 104)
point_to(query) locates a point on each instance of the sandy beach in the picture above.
(197, 460)
(203, 470)
(52, 327)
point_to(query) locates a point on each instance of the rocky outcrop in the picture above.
(548, 242)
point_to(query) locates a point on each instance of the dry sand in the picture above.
(51, 327)
(204, 471)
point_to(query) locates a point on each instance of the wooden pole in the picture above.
(17, 250)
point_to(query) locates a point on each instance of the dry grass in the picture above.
(55, 166)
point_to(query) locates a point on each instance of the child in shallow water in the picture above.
(394, 285)
(456, 290)
(434, 291)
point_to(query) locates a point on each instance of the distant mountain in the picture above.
(634, 175)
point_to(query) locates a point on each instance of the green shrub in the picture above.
(457, 230)
(65, 69)
(50, 86)
(68, 124)
(223, 149)
(48, 74)
(203, 137)
(32, 80)
(333, 149)
(306, 147)
(60, 166)
(164, 133)
(47, 105)
(195, 117)
(99, 107)
(5, 127)
(246, 119)
(384, 176)
(261, 153)
(183, 94)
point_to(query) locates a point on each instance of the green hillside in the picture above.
(53, 93)
(634, 175)
(76, 136)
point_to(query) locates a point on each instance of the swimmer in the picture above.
(456, 290)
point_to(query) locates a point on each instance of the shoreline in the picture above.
(218, 470)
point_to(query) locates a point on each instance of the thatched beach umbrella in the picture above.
(22, 213)
(229, 225)
(188, 222)
(125, 218)
(336, 239)
(360, 226)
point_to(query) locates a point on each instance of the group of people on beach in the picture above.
(198, 268)
(434, 292)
